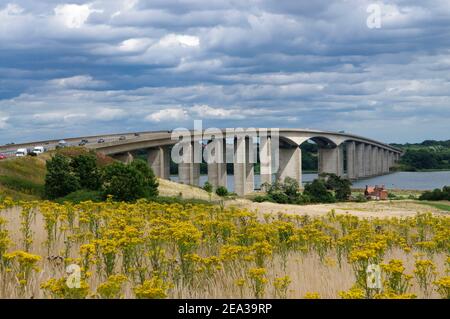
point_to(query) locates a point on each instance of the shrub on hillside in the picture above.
(222, 191)
(85, 168)
(208, 187)
(60, 180)
(81, 196)
(129, 182)
(150, 181)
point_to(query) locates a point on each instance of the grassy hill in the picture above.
(23, 178)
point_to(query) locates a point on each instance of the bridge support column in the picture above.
(243, 165)
(125, 158)
(374, 166)
(189, 171)
(331, 161)
(360, 160)
(290, 163)
(367, 160)
(352, 161)
(265, 159)
(380, 156)
(217, 168)
(386, 158)
(159, 160)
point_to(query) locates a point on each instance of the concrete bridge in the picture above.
(345, 155)
(277, 150)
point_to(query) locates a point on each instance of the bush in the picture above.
(150, 181)
(279, 197)
(222, 191)
(81, 196)
(208, 187)
(182, 201)
(123, 182)
(360, 198)
(60, 179)
(318, 192)
(340, 186)
(84, 167)
(261, 198)
(436, 194)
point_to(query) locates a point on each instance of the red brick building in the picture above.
(377, 193)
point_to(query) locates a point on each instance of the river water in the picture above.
(398, 180)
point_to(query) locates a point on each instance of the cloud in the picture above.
(179, 40)
(170, 114)
(76, 82)
(86, 67)
(208, 112)
(73, 16)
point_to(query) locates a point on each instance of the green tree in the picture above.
(208, 187)
(222, 191)
(60, 180)
(150, 181)
(129, 182)
(85, 168)
(340, 186)
(123, 182)
(317, 192)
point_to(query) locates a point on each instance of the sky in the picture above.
(376, 69)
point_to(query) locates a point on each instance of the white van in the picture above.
(21, 152)
(38, 150)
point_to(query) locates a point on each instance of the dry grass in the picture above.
(394, 208)
(169, 188)
(306, 270)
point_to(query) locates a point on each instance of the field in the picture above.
(150, 250)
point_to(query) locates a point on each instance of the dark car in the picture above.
(122, 138)
(137, 134)
(101, 140)
(83, 142)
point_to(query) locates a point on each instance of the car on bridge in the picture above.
(38, 150)
(83, 142)
(101, 140)
(21, 152)
(122, 138)
(61, 144)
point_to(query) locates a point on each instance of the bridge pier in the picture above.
(360, 160)
(158, 159)
(352, 160)
(331, 160)
(188, 170)
(385, 162)
(243, 166)
(290, 163)
(217, 166)
(125, 158)
(265, 159)
(367, 160)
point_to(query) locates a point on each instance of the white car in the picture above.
(21, 152)
(38, 150)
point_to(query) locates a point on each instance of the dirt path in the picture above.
(400, 208)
